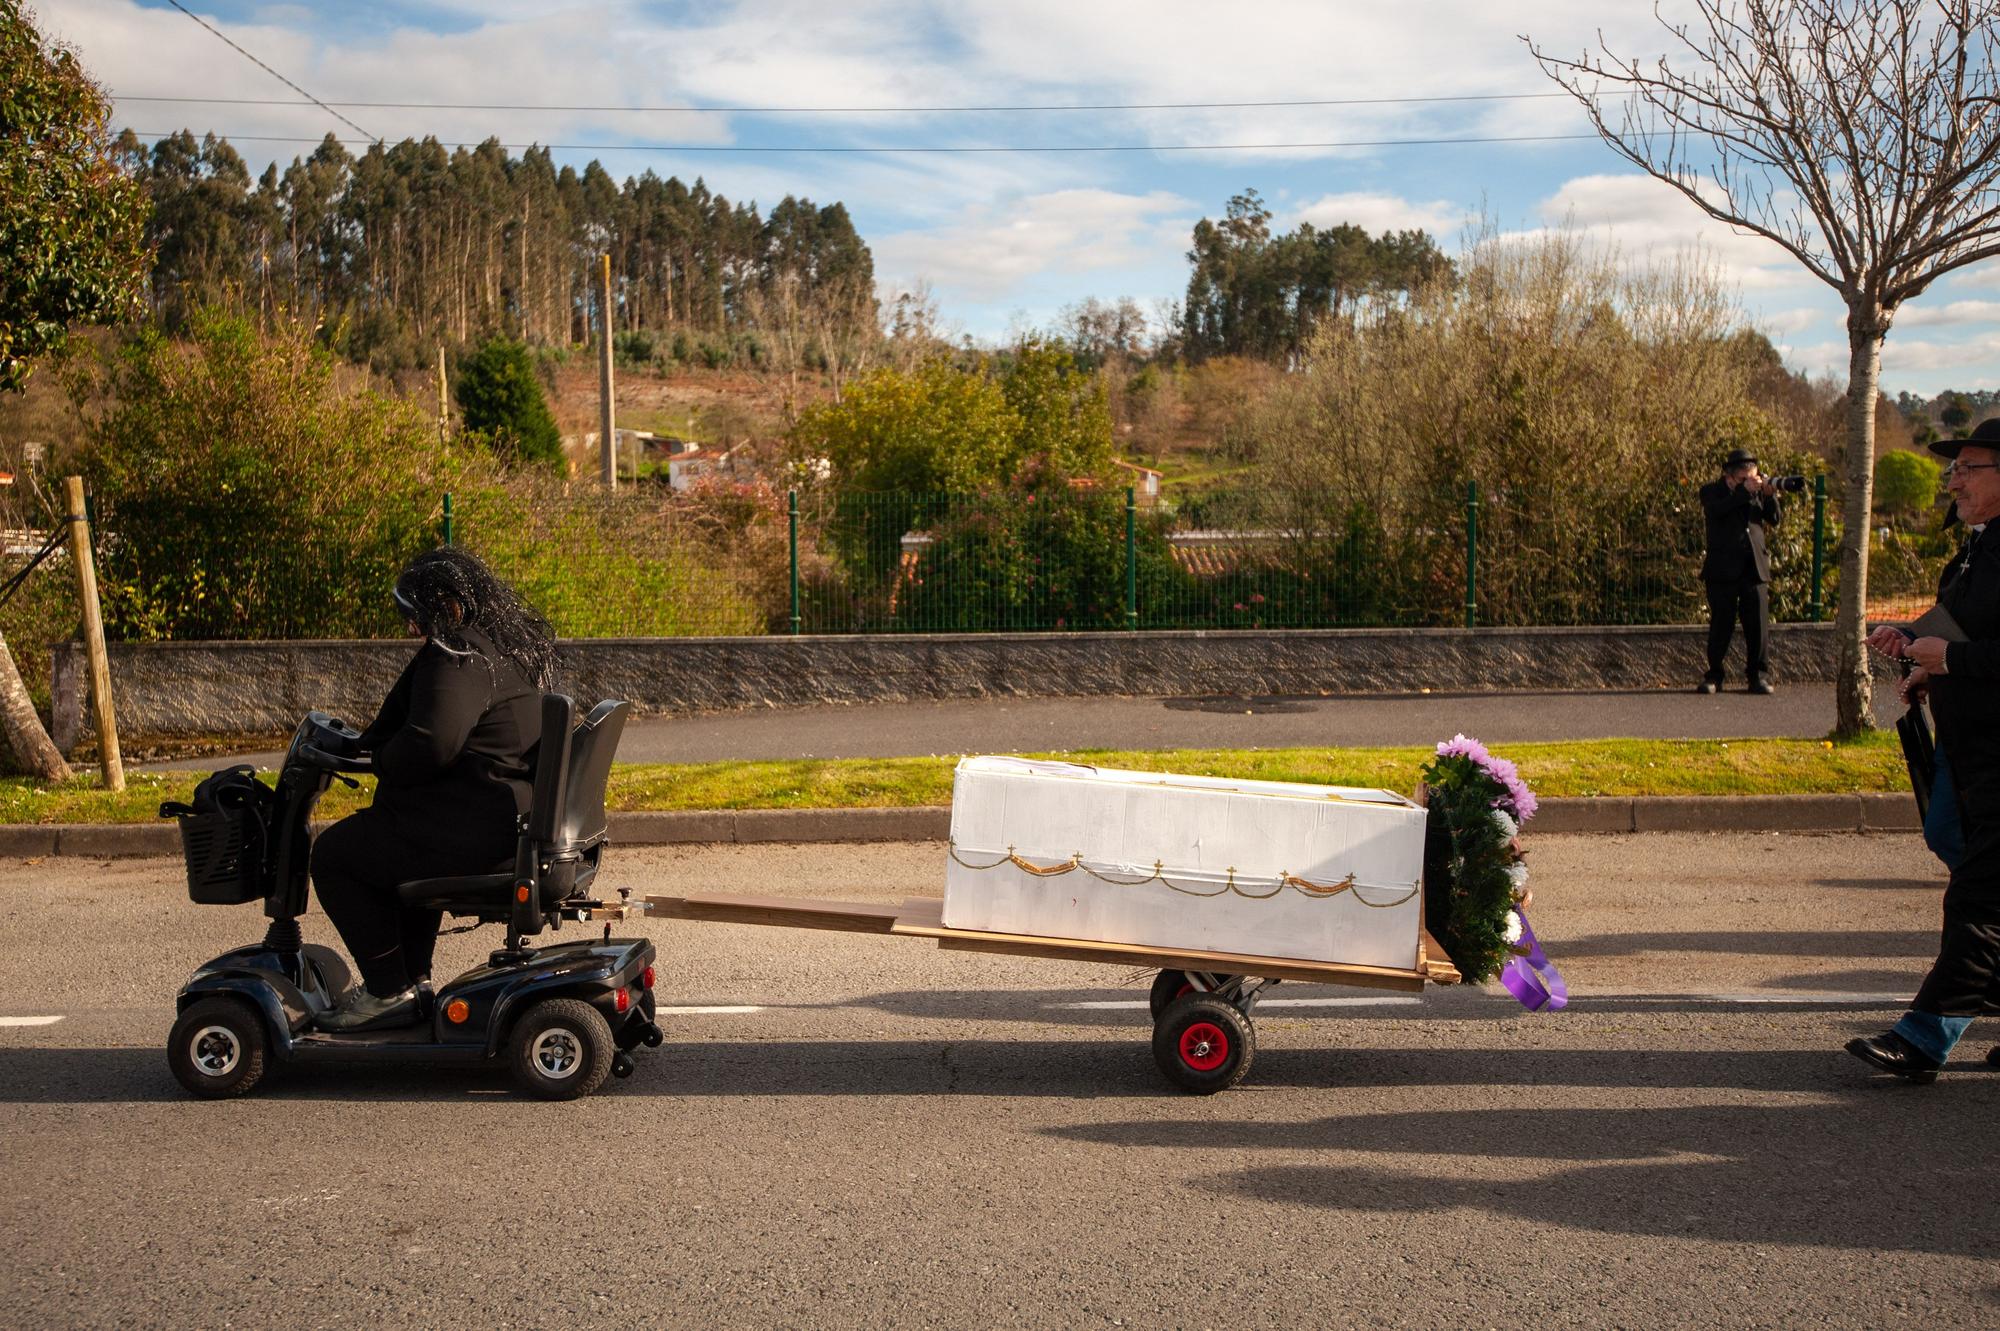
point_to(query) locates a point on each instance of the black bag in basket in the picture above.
(226, 836)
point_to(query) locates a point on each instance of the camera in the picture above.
(1788, 484)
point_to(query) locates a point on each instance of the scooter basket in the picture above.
(224, 853)
(224, 837)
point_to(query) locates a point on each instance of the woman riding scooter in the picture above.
(453, 757)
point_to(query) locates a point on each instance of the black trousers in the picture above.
(356, 865)
(1965, 979)
(1727, 603)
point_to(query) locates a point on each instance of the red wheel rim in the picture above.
(1204, 1046)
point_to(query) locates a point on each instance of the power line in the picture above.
(850, 110)
(274, 73)
(933, 148)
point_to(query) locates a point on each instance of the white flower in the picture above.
(1512, 931)
(1517, 874)
(1509, 829)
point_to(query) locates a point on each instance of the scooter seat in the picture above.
(470, 893)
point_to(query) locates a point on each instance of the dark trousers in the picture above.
(1727, 603)
(1965, 979)
(356, 865)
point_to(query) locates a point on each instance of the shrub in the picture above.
(1906, 483)
(500, 400)
(243, 492)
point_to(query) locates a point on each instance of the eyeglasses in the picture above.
(1955, 468)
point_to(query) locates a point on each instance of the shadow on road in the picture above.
(1880, 1169)
(1026, 1066)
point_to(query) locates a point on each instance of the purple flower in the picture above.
(1518, 799)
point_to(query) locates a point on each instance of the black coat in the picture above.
(1966, 698)
(454, 749)
(1736, 521)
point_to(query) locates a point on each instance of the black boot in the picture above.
(1892, 1053)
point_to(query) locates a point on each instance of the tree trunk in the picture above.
(1853, 697)
(25, 736)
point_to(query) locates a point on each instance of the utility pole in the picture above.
(444, 402)
(607, 437)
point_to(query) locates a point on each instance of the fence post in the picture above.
(1819, 548)
(1131, 561)
(792, 507)
(447, 517)
(1471, 552)
(110, 761)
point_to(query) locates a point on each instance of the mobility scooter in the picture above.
(562, 1016)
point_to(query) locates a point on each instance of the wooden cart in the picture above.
(1201, 1002)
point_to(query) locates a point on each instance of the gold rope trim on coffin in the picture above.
(1304, 886)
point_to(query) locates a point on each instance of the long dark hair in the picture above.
(448, 590)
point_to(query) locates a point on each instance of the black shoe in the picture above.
(363, 1011)
(1707, 686)
(1892, 1053)
(1993, 1057)
(1761, 686)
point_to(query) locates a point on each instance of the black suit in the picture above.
(1966, 702)
(453, 752)
(1737, 570)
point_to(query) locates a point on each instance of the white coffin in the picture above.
(1185, 862)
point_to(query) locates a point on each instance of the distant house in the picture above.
(695, 463)
(1146, 482)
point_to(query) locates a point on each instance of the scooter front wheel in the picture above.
(562, 1049)
(218, 1048)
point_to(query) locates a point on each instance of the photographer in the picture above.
(1736, 568)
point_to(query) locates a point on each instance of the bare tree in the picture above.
(1859, 135)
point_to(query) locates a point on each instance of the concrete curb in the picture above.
(1663, 813)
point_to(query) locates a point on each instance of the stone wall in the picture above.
(194, 688)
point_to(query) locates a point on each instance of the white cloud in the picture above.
(1379, 212)
(1919, 315)
(992, 251)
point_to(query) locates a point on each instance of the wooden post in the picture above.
(93, 637)
(444, 403)
(607, 438)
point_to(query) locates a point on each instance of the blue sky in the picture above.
(1009, 239)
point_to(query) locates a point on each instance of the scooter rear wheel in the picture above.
(561, 1049)
(218, 1048)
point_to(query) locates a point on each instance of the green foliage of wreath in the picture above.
(1472, 870)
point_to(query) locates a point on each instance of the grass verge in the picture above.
(1619, 767)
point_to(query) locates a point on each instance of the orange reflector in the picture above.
(457, 1011)
(521, 893)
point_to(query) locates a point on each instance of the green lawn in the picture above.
(1593, 767)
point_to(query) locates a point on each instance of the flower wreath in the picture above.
(1475, 878)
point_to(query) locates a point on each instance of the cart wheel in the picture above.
(561, 1049)
(1203, 1044)
(334, 976)
(1169, 985)
(218, 1048)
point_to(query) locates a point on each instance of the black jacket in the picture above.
(1966, 698)
(454, 749)
(1736, 520)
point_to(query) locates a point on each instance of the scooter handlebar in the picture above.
(334, 762)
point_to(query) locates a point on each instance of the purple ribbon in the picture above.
(1531, 977)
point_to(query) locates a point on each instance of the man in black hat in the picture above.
(1737, 570)
(1962, 674)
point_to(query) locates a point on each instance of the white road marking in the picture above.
(1795, 997)
(29, 1021)
(705, 1011)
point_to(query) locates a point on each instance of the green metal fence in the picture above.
(729, 560)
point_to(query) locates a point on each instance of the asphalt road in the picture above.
(894, 1136)
(1036, 725)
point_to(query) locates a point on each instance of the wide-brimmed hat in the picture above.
(1739, 457)
(1986, 434)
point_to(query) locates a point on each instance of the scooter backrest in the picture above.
(552, 762)
(592, 747)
